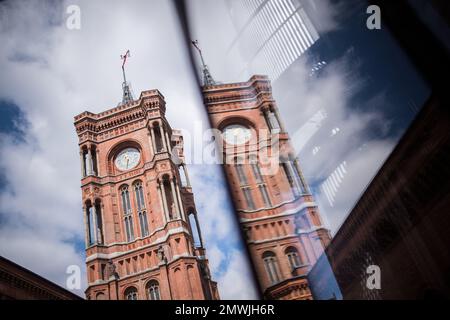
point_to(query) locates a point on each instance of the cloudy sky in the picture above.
(50, 73)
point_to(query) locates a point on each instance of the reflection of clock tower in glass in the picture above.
(284, 231)
(140, 219)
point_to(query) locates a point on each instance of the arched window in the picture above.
(153, 290)
(293, 258)
(100, 296)
(271, 265)
(256, 169)
(140, 204)
(131, 293)
(127, 213)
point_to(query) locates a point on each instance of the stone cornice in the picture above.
(257, 89)
(94, 180)
(151, 104)
(31, 285)
(117, 254)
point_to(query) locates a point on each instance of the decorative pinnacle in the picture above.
(127, 96)
(207, 77)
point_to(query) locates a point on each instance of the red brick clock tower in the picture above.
(143, 238)
(284, 230)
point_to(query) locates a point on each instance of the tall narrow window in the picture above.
(273, 121)
(257, 173)
(183, 179)
(128, 214)
(131, 293)
(99, 220)
(290, 178)
(240, 172)
(194, 230)
(271, 265)
(153, 290)
(158, 139)
(298, 176)
(293, 258)
(143, 223)
(265, 195)
(140, 201)
(103, 271)
(140, 204)
(248, 198)
(91, 224)
(170, 199)
(94, 162)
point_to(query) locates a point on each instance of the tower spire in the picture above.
(127, 95)
(207, 77)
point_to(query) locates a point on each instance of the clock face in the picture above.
(127, 159)
(236, 134)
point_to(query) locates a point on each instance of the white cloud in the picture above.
(52, 73)
(342, 132)
(236, 282)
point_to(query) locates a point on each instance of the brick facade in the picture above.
(139, 242)
(282, 224)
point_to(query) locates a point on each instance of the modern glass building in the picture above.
(271, 34)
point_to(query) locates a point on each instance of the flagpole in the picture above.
(207, 78)
(127, 95)
(123, 72)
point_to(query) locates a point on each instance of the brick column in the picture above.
(169, 147)
(277, 116)
(181, 207)
(162, 204)
(152, 134)
(83, 164)
(163, 140)
(163, 193)
(89, 164)
(94, 211)
(302, 179)
(174, 198)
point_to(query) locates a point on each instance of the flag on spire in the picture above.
(127, 95)
(124, 57)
